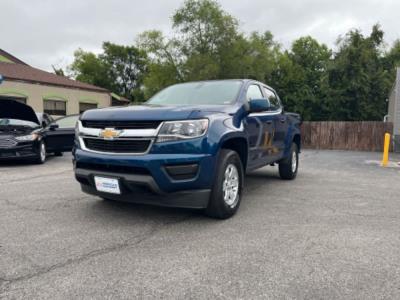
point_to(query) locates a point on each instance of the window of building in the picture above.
(55, 107)
(18, 99)
(85, 106)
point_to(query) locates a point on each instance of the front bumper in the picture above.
(152, 179)
(20, 151)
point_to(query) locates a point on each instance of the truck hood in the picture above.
(156, 113)
(10, 109)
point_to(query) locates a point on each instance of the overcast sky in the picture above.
(46, 32)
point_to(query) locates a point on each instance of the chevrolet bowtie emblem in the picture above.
(109, 133)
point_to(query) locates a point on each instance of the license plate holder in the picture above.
(107, 185)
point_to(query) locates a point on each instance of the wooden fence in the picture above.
(362, 136)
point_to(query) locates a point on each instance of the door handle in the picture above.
(282, 120)
(269, 122)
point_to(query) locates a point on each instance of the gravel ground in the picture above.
(334, 232)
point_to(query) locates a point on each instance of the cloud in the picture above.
(46, 32)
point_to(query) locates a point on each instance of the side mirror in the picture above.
(259, 105)
(54, 126)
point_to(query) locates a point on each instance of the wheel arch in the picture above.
(238, 144)
(297, 140)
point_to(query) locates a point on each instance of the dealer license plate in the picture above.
(107, 185)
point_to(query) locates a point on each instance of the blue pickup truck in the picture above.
(189, 146)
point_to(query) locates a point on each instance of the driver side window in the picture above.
(254, 92)
(273, 99)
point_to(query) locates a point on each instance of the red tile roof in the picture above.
(25, 73)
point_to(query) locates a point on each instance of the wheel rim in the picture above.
(230, 186)
(42, 152)
(294, 161)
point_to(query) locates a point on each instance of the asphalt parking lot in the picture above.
(332, 233)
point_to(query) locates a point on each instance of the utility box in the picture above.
(394, 111)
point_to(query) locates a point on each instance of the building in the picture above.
(394, 111)
(50, 93)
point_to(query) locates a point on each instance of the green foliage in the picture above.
(301, 78)
(119, 69)
(358, 82)
(164, 63)
(351, 83)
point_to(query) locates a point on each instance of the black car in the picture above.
(26, 135)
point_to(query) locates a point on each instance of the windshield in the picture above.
(16, 122)
(67, 122)
(198, 93)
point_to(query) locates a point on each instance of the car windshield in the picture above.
(198, 93)
(16, 122)
(67, 122)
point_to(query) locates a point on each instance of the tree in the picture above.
(119, 69)
(301, 78)
(350, 84)
(87, 67)
(58, 71)
(126, 66)
(359, 83)
(164, 61)
(205, 32)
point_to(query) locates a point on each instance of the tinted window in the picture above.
(67, 122)
(197, 93)
(273, 99)
(254, 92)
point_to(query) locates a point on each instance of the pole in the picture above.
(386, 146)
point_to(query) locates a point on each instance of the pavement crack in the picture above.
(134, 241)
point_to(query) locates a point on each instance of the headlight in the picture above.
(27, 138)
(181, 130)
(77, 128)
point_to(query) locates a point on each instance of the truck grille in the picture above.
(7, 142)
(122, 124)
(137, 146)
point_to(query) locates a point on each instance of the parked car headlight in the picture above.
(27, 138)
(181, 130)
(77, 128)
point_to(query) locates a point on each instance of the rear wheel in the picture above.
(289, 166)
(226, 192)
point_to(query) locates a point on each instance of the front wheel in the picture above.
(227, 190)
(289, 166)
(41, 156)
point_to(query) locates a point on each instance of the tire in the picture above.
(58, 154)
(41, 157)
(289, 166)
(226, 192)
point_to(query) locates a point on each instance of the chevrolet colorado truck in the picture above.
(189, 146)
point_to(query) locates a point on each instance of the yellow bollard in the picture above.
(385, 159)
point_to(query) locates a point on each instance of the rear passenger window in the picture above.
(254, 92)
(273, 99)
